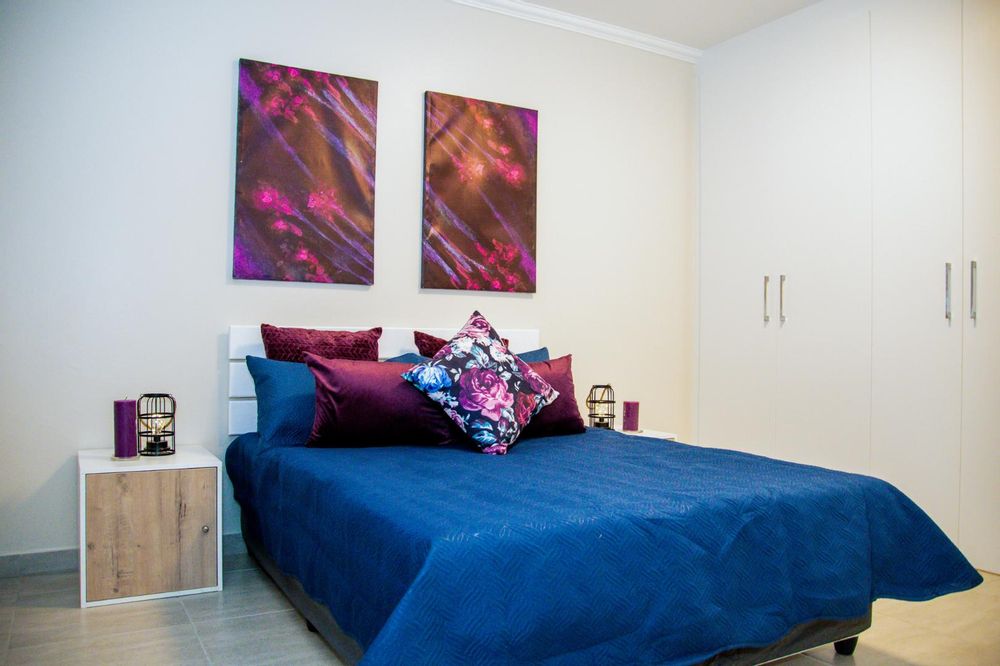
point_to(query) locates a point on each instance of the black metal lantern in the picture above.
(601, 406)
(156, 412)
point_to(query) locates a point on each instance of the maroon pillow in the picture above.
(366, 403)
(562, 417)
(428, 345)
(291, 344)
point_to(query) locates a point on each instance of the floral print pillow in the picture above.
(484, 388)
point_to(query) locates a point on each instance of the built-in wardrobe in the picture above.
(850, 250)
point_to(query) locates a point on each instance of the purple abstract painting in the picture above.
(479, 195)
(305, 176)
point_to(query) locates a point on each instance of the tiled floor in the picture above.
(250, 622)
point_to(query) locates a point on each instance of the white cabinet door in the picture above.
(917, 197)
(784, 181)
(979, 523)
(824, 247)
(736, 346)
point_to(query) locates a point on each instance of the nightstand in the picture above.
(150, 527)
(646, 432)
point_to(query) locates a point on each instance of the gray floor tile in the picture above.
(797, 660)
(6, 620)
(246, 592)
(176, 644)
(971, 617)
(250, 623)
(41, 618)
(990, 585)
(279, 637)
(892, 640)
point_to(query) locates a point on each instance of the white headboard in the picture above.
(246, 341)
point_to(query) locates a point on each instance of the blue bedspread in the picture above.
(598, 548)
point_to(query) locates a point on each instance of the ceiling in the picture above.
(697, 23)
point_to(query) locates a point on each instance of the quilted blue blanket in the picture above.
(594, 548)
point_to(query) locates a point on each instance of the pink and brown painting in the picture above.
(479, 195)
(305, 176)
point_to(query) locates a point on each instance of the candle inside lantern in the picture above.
(126, 445)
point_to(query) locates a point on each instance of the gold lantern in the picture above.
(601, 406)
(156, 412)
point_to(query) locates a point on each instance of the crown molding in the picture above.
(585, 26)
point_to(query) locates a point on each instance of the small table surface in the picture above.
(646, 432)
(100, 461)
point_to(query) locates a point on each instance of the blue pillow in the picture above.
(535, 355)
(411, 357)
(286, 401)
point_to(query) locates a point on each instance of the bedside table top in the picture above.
(98, 461)
(646, 432)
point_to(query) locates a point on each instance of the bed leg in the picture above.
(846, 646)
(311, 627)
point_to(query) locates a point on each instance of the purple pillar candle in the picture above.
(126, 445)
(630, 416)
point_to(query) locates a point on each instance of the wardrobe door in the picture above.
(736, 345)
(785, 191)
(917, 216)
(824, 246)
(979, 523)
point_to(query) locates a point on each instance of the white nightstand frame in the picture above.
(646, 432)
(98, 461)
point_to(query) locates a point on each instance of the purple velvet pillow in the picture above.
(291, 344)
(488, 392)
(427, 344)
(562, 417)
(367, 403)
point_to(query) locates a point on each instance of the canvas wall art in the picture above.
(479, 195)
(305, 176)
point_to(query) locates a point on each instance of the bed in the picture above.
(592, 548)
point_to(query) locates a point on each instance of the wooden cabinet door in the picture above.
(917, 167)
(979, 520)
(150, 532)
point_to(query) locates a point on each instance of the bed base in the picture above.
(842, 633)
(317, 616)
(806, 636)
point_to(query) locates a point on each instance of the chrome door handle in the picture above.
(781, 300)
(767, 280)
(973, 271)
(972, 290)
(947, 290)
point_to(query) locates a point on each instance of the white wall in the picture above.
(116, 189)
